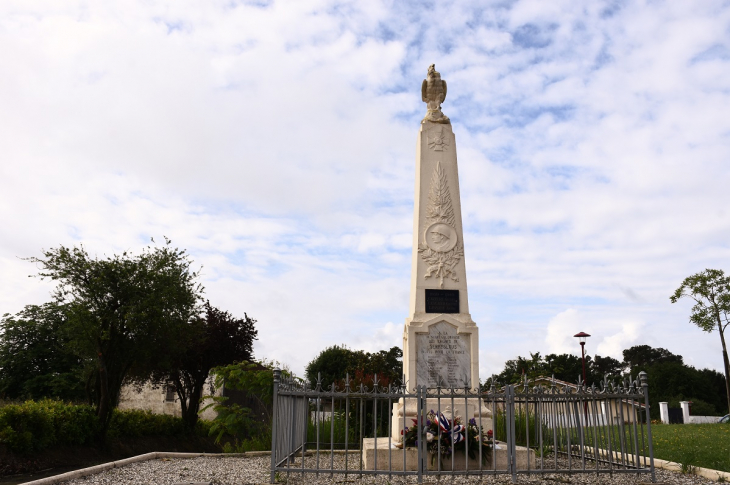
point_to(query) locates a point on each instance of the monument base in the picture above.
(393, 458)
(444, 404)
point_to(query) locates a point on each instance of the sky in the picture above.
(275, 142)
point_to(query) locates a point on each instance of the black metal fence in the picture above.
(525, 429)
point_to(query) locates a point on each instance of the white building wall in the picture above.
(155, 400)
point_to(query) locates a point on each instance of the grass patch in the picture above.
(691, 445)
(703, 445)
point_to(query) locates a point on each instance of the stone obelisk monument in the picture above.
(440, 340)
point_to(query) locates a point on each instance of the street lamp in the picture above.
(582, 336)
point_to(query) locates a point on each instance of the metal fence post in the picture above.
(511, 432)
(645, 388)
(421, 436)
(277, 378)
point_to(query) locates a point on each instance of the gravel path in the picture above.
(255, 470)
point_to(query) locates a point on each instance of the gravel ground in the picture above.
(255, 470)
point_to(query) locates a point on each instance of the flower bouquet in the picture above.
(446, 436)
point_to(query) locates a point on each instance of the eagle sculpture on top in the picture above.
(433, 93)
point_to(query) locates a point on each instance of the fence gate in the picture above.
(676, 416)
(360, 430)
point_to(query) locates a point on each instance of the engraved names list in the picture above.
(443, 357)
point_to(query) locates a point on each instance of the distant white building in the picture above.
(163, 399)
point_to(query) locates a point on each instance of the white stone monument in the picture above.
(440, 340)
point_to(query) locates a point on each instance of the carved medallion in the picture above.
(440, 247)
(440, 237)
(437, 139)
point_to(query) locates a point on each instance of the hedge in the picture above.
(37, 425)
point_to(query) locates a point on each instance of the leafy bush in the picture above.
(74, 424)
(236, 427)
(36, 425)
(135, 423)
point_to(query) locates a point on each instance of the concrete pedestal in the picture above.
(392, 458)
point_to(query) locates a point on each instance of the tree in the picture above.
(333, 363)
(670, 379)
(606, 366)
(710, 290)
(386, 364)
(644, 355)
(125, 312)
(256, 380)
(217, 339)
(35, 359)
(565, 367)
(330, 365)
(569, 367)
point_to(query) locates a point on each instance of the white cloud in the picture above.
(276, 144)
(560, 330)
(613, 345)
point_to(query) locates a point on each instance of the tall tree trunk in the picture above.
(181, 390)
(104, 409)
(189, 393)
(191, 417)
(726, 362)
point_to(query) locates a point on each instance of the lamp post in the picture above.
(582, 336)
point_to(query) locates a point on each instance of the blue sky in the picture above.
(276, 142)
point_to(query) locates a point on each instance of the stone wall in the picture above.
(159, 400)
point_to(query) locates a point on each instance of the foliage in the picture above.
(258, 442)
(136, 422)
(234, 420)
(669, 378)
(218, 339)
(447, 436)
(35, 358)
(124, 312)
(673, 382)
(606, 366)
(333, 432)
(565, 367)
(710, 290)
(697, 407)
(333, 363)
(36, 425)
(642, 356)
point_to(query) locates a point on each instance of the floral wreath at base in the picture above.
(452, 436)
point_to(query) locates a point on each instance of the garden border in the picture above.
(92, 470)
(658, 463)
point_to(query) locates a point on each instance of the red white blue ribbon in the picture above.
(456, 432)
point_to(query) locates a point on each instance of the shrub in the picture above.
(134, 423)
(74, 424)
(27, 427)
(36, 425)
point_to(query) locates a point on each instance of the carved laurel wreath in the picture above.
(440, 264)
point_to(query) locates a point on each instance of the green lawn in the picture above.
(705, 445)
